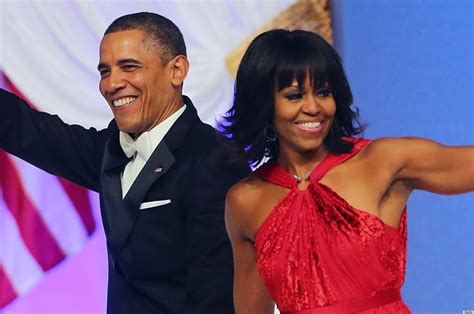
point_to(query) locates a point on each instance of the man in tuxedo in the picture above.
(162, 174)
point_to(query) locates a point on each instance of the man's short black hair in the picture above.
(165, 34)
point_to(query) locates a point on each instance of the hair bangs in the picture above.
(297, 64)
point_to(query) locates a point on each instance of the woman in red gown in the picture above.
(320, 228)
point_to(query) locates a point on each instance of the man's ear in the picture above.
(179, 68)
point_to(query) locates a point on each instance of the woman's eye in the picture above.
(324, 92)
(294, 96)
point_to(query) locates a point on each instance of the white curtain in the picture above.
(49, 49)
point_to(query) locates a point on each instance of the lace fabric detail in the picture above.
(314, 249)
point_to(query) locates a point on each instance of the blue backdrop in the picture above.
(410, 65)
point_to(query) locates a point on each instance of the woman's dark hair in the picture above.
(272, 62)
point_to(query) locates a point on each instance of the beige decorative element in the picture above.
(310, 15)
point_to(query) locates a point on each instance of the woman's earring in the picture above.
(270, 137)
(270, 133)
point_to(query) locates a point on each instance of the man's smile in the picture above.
(124, 101)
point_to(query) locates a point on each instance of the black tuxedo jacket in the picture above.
(173, 258)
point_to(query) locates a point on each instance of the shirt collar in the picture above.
(146, 143)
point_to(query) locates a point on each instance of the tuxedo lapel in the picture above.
(159, 163)
(120, 214)
(176, 135)
(114, 213)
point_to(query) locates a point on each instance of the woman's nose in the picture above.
(312, 105)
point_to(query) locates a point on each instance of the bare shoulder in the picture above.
(386, 154)
(398, 154)
(393, 150)
(392, 145)
(383, 145)
(243, 200)
(400, 149)
(245, 191)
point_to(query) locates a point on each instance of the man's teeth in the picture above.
(310, 124)
(124, 101)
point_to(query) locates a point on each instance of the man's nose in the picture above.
(114, 82)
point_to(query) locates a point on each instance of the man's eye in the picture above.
(104, 73)
(129, 67)
(323, 92)
(294, 96)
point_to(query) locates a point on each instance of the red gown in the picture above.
(319, 255)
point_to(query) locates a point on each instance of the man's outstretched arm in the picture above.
(44, 140)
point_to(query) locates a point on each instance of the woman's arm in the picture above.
(250, 294)
(427, 165)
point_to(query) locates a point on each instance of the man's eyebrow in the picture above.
(129, 60)
(102, 66)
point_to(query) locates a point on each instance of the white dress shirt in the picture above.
(142, 148)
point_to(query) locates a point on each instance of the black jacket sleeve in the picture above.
(44, 140)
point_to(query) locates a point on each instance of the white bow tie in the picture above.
(142, 145)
